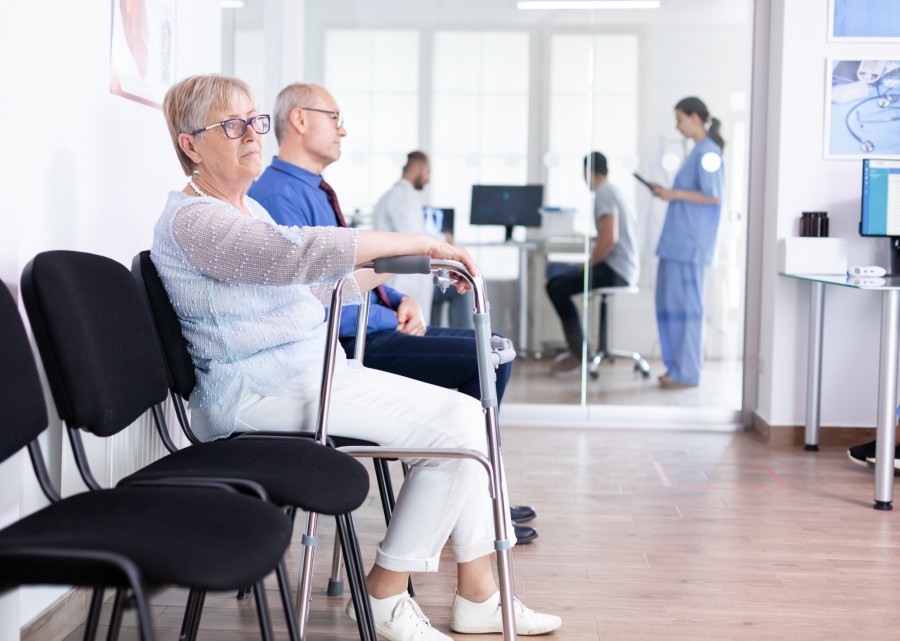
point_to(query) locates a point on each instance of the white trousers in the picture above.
(440, 498)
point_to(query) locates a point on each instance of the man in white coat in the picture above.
(400, 209)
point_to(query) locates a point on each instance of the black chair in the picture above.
(122, 538)
(604, 351)
(105, 367)
(182, 380)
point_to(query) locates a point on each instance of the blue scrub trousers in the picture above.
(444, 356)
(680, 316)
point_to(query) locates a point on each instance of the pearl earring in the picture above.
(196, 175)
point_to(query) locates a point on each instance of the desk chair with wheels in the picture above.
(604, 351)
(102, 357)
(125, 538)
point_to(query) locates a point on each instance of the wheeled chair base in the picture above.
(640, 364)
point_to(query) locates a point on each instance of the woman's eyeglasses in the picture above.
(235, 127)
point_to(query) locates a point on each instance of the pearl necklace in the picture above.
(204, 195)
(198, 190)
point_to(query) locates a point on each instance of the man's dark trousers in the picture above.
(445, 357)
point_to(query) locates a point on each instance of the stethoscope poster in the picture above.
(863, 109)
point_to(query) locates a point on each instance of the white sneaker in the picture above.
(478, 618)
(399, 618)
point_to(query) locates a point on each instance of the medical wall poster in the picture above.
(862, 117)
(864, 20)
(142, 56)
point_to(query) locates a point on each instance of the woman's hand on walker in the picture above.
(445, 251)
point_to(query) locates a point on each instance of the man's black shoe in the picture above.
(859, 453)
(524, 534)
(524, 513)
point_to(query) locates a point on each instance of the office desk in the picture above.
(523, 248)
(886, 425)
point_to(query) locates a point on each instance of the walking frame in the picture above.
(492, 351)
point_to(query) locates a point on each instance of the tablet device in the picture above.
(643, 180)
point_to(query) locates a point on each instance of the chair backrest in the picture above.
(178, 360)
(21, 397)
(96, 339)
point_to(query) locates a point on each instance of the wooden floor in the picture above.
(652, 536)
(618, 384)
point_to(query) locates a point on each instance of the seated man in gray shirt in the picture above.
(614, 260)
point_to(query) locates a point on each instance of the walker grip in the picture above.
(403, 265)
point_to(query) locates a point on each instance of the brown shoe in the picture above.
(568, 366)
(667, 383)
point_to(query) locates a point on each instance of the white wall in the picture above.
(701, 49)
(83, 169)
(797, 179)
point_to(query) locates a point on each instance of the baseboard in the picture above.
(58, 621)
(836, 436)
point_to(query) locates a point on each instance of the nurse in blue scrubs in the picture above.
(687, 245)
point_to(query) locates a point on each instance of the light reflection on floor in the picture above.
(619, 384)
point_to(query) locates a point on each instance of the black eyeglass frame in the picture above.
(266, 119)
(336, 115)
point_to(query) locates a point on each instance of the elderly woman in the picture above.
(251, 299)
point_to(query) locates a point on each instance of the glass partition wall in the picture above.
(499, 96)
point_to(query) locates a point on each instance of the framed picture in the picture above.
(142, 49)
(864, 20)
(862, 109)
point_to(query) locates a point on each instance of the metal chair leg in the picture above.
(284, 590)
(262, 611)
(193, 609)
(115, 619)
(356, 577)
(93, 618)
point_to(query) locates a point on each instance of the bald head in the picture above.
(306, 126)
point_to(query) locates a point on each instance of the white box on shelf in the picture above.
(557, 222)
(812, 256)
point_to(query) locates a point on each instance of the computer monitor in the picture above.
(439, 219)
(880, 198)
(880, 206)
(507, 205)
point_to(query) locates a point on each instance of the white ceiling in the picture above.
(373, 13)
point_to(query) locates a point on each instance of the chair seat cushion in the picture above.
(201, 538)
(294, 471)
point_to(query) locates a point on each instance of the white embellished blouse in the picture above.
(251, 296)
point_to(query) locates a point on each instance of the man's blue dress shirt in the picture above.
(292, 196)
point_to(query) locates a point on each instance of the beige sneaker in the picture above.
(479, 618)
(399, 618)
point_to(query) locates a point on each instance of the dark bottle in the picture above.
(806, 224)
(823, 224)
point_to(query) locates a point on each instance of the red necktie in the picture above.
(333, 201)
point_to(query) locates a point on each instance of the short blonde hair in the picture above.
(189, 102)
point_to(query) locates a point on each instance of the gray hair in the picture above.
(189, 102)
(296, 95)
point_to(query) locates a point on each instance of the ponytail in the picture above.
(694, 105)
(713, 132)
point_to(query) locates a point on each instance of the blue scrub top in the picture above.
(690, 230)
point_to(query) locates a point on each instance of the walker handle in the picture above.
(403, 265)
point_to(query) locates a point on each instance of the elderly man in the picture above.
(397, 339)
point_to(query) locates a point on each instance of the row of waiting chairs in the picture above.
(209, 517)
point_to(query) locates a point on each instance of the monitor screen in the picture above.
(507, 205)
(438, 220)
(880, 198)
